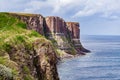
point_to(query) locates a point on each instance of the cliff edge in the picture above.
(30, 45)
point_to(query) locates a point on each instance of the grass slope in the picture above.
(13, 33)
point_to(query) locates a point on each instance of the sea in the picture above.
(103, 63)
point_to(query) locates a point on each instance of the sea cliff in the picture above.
(30, 45)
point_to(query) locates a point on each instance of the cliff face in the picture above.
(37, 63)
(45, 61)
(56, 29)
(66, 34)
(55, 25)
(25, 54)
(31, 45)
(74, 29)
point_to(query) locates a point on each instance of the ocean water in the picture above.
(103, 63)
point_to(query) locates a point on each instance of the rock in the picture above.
(74, 29)
(37, 63)
(45, 61)
(55, 25)
(56, 30)
(33, 21)
(36, 60)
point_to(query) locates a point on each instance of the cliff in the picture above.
(55, 25)
(30, 45)
(74, 30)
(57, 31)
(66, 35)
(33, 21)
(25, 54)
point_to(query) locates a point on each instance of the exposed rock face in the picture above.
(25, 54)
(55, 25)
(34, 22)
(74, 29)
(39, 61)
(46, 61)
(66, 34)
(56, 29)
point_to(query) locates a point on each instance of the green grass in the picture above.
(26, 70)
(13, 33)
(28, 77)
(24, 14)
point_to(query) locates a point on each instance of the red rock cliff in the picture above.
(64, 33)
(42, 59)
(74, 30)
(55, 25)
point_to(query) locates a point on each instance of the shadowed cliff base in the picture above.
(30, 45)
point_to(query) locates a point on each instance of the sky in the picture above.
(96, 17)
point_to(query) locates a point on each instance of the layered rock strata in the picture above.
(56, 29)
(55, 25)
(41, 59)
(74, 30)
(66, 34)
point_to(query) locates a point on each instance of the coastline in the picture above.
(33, 44)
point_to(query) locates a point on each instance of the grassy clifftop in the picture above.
(13, 31)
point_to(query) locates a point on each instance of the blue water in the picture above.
(103, 63)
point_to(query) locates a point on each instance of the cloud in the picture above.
(65, 6)
(74, 8)
(106, 8)
(37, 5)
(13, 5)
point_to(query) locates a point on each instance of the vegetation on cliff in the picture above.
(30, 45)
(19, 55)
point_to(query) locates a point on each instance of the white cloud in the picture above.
(107, 8)
(63, 6)
(75, 8)
(37, 5)
(13, 5)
